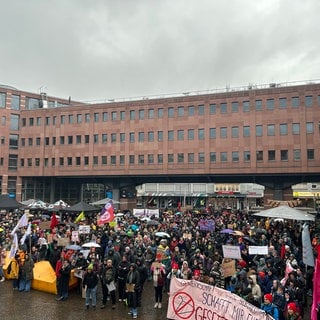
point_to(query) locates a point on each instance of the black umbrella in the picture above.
(8, 203)
(81, 206)
(252, 241)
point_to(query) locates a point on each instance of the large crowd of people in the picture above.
(134, 250)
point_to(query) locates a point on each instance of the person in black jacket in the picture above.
(143, 272)
(90, 282)
(132, 288)
(122, 270)
(108, 282)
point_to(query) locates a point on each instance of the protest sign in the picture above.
(232, 252)
(258, 250)
(228, 267)
(193, 300)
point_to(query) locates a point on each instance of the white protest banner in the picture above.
(258, 250)
(139, 213)
(232, 252)
(193, 300)
(143, 213)
(84, 229)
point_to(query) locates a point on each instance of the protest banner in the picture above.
(63, 242)
(206, 225)
(232, 252)
(84, 229)
(193, 300)
(258, 250)
(228, 267)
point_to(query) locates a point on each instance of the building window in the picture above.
(190, 157)
(160, 135)
(78, 161)
(246, 131)
(295, 102)
(213, 157)
(38, 141)
(47, 141)
(131, 159)
(31, 122)
(200, 134)
(132, 114)
(160, 158)
(258, 105)
(223, 156)
(61, 140)
(114, 115)
(95, 160)
(37, 162)
(13, 162)
(104, 138)
(180, 135)
(191, 111)
(113, 137)
(53, 162)
(223, 132)
(282, 103)
(54, 120)
(69, 161)
(283, 129)
(308, 101)
(223, 107)
(122, 160)
(70, 139)
(150, 158)
(96, 117)
(15, 102)
(113, 160)
(23, 142)
(284, 155)
(271, 130)
(105, 116)
(246, 106)
(46, 162)
(30, 142)
(13, 141)
(32, 103)
(122, 115)
(190, 134)
(95, 138)
(180, 158)
(170, 135)
(70, 118)
(103, 160)
(180, 111)
(235, 156)
(201, 157)
(2, 100)
(122, 137)
(54, 140)
(170, 158)
(160, 113)
(38, 121)
(86, 160)
(141, 159)
(235, 107)
(141, 114)
(150, 136)
(296, 154)
(201, 110)
(271, 155)
(310, 154)
(141, 136)
(47, 121)
(29, 162)
(79, 118)
(21, 162)
(78, 139)
(131, 137)
(151, 113)
(61, 161)
(309, 127)
(258, 130)
(170, 112)
(87, 117)
(86, 138)
(23, 121)
(296, 128)
(270, 104)
(259, 155)
(235, 132)
(213, 108)
(62, 119)
(213, 133)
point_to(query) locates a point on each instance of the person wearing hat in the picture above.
(269, 307)
(293, 312)
(158, 276)
(108, 279)
(90, 284)
(132, 287)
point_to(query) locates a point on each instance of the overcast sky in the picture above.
(102, 49)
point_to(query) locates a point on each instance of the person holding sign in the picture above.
(158, 276)
(132, 287)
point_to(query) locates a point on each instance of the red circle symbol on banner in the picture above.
(183, 305)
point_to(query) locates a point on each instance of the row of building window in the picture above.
(180, 135)
(272, 155)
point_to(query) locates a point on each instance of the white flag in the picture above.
(23, 239)
(307, 253)
(23, 222)
(14, 246)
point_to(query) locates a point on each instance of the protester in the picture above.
(158, 276)
(132, 287)
(108, 282)
(269, 307)
(64, 274)
(26, 274)
(90, 284)
(13, 271)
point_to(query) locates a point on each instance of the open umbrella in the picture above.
(162, 234)
(120, 214)
(250, 240)
(73, 247)
(238, 233)
(227, 231)
(153, 223)
(91, 245)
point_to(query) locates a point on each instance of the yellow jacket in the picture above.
(14, 272)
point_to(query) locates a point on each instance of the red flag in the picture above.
(54, 221)
(107, 213)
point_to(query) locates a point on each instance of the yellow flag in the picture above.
(80, 217)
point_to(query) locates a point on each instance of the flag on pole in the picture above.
(307, 252)
(107, 213)
(54, 221)
(80, 217)
(14, 246)
(23, 222)
(28, 232)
